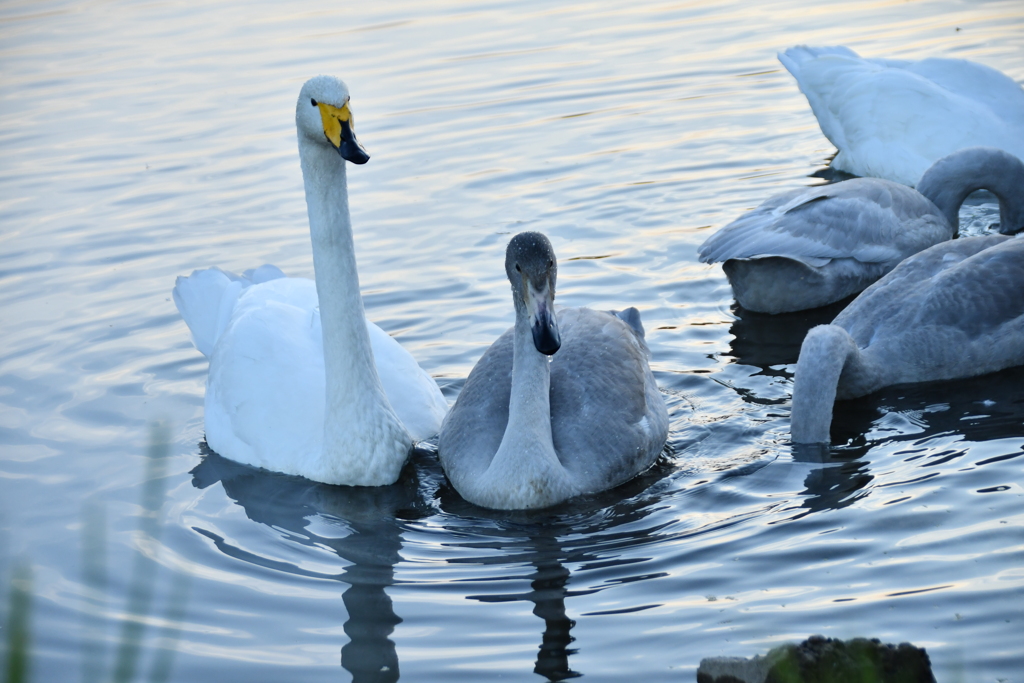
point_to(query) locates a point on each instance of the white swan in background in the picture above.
(529, 430)
(300, 382)
(894, 118)
(810, 247)
(954, 310)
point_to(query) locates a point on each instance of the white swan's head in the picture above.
(323, 116)
(531, 268)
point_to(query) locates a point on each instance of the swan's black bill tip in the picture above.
(546, 339)
(350, 150)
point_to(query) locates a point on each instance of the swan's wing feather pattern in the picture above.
(892, 118)
(801, 59)
(863, 219)
(981, 85)
(206, 300)
(266, 388)
(412, 393)
(914, 285)
(609, 421)
(978, 294)
(475, 425)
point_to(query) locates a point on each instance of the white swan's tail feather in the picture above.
(795, 57)
(206, 299)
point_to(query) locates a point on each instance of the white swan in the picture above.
(529, 431)
(893, 118)
(954, 310)
(300, 382)
(810, 247)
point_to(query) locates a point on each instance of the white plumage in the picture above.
(333, 399)
(894, 118)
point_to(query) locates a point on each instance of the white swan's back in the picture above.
(265, 391)
(893, 118)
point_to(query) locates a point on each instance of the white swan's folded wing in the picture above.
(413, 394)
(266, 387)
(265, 393)
(800, 61)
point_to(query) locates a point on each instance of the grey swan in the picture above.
(814, 246)
(953, 310)
(560, 405)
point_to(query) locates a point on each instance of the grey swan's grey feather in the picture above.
(811, 247)
(953, 310)
(529, 430)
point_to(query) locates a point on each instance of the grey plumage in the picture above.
(608, 421)
(810, 247)
(953, 310)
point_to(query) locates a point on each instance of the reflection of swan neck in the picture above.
(827, 353)
(362, 435)
(951, 179)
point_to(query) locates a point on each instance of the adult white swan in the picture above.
(300, 382)
(954, 310)
(529, 431)
(810, 247)
(893, 118)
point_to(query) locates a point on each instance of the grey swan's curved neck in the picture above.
(950, 179)
(828, 352)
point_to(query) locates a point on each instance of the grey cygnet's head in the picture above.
(532, 269)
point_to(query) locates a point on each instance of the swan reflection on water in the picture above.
(763, 340)
(549, 557)
(373, 514)
(377, 517)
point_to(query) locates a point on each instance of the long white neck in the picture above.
(950, 179)
(364, 441)
(525, 472)
(828, 351)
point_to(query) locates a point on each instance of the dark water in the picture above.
(144, 140)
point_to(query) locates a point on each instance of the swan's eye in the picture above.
(313, 102)
(518, 269)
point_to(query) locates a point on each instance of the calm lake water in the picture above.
(144, 140)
